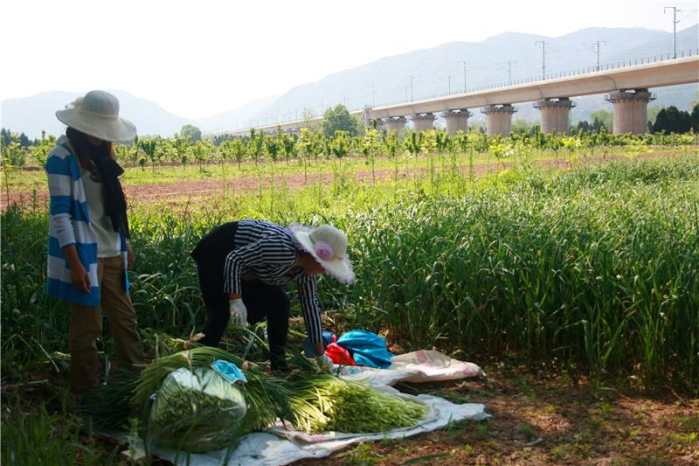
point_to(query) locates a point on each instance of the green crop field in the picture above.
(593, 270)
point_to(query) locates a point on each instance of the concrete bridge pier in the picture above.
(630, 110)
(555, 113)
(457, 120)
(376, 123)
(366, 116)
(423, 121)
(394, 124)
(499, 119)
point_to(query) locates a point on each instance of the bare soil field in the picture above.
(197, 189)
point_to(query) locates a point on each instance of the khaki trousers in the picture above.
(86, 327)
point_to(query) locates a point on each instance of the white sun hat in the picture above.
(328, 246)
(97, 114)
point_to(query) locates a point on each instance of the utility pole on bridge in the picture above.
(597, 45)
(674, 27)
(465, 86)
(543, 57)
(509, 71)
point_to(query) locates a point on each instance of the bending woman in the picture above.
(244, 268)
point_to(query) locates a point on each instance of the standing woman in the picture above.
(89, 252)
(244, 268)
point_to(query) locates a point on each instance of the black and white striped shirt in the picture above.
(267, 252)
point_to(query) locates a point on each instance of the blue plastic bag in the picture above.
(229, 371)
(367, 348)
(328, 337)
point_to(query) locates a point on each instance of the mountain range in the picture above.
(418, 74)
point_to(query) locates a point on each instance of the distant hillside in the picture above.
(233, 118)
(33, 114)
(435, 71)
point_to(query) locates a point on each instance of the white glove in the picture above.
(239, 313)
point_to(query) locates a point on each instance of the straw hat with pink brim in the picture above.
(328, 246)
(97, 114)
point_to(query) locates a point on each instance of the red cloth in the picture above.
(339, 355)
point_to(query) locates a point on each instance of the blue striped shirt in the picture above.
(268, 252)
(69, 223)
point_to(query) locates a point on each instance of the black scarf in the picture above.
(108, 172)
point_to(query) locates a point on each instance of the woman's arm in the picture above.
(131, 257)
(308, 295)
(78, 274)
(61, 191)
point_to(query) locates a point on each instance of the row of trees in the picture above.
(311, 145)
(341, 135)
(672, 120)
(7, 137)
(335, 119)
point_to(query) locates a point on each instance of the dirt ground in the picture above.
(197, 189)
(537, 419)
(545, 421)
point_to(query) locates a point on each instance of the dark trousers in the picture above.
(262, 301)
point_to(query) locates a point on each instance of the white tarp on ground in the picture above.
(287, 446)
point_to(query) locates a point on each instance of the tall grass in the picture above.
(598, 267)
(605, 274)
(37, 438)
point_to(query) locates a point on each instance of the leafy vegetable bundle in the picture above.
(324, 402)
(196, 411)
(266, 396)
(188, 406)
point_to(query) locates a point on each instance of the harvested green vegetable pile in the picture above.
(266, 396)
(323, 403)
(197, 411)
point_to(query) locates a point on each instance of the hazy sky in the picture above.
(201, 57)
